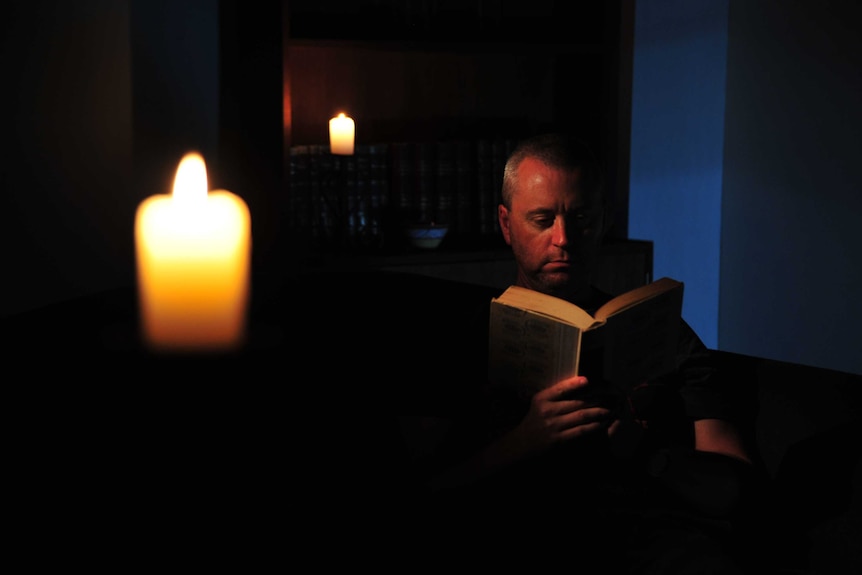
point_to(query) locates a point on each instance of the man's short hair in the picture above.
(559, 151)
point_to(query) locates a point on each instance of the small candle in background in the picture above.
(341, 135)
(193, 251)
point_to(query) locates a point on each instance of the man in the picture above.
(653, 482)
(554, 217)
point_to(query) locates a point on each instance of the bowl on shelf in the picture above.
(426, 236)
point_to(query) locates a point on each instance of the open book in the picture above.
(535, 340)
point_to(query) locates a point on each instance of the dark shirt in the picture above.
(582, 479)
(666, 407)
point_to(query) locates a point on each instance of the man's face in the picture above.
(554, 228)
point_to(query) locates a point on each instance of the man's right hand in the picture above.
(558, 414)
(561, 413)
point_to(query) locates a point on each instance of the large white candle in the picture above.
(341, 134)
(193, 251)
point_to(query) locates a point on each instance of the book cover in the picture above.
(535, 340)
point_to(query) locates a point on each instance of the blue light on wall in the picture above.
(677, 137)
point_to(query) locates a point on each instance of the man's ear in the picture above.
(503, 218)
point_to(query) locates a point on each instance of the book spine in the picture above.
(347, 200)
(314, 192)
(328, 195)
(485, 196)
(359, 209)
(379, 191)
(466, 191)
(299, 201)
(444, 184)
(426, 172)
(402, 178)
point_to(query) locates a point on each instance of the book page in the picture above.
(529, 351)
(630, 298)
(548, 305)
(641, 343)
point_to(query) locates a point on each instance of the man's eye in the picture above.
(544, 222)
(581, 218)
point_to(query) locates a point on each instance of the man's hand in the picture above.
(561, 413)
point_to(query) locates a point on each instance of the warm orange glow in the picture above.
(286, 116)
(193, 252)
(341, 134)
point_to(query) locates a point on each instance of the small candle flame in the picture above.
(190, 183)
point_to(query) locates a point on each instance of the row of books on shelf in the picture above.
(369, 198)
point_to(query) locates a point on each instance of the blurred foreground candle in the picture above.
(193, 250)
(341, 132)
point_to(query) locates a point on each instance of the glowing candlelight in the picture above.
(193, 252)
(341, 135)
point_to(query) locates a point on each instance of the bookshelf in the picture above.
(425, 74)
(441, 72)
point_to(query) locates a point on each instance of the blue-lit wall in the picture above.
(677, 135)
(745, 170)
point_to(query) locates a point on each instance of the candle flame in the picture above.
(190, 183)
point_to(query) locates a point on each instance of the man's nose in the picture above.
(561, 234)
